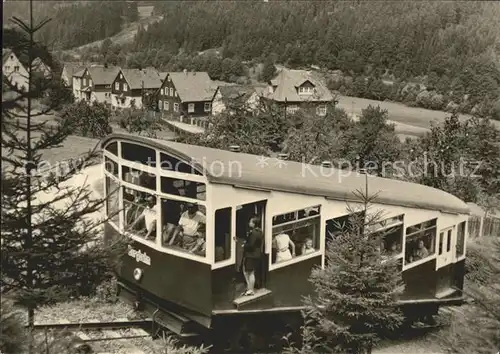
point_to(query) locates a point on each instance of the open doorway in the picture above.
(243, 214)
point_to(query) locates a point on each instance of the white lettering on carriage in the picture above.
(139, 256)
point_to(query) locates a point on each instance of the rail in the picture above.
(94, 325)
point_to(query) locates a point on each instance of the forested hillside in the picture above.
(451, 47)
(74, 23)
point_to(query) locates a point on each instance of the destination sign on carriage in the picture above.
(139, 255)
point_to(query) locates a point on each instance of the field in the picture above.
(409, 121)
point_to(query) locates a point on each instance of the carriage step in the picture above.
(175, 323)
(244, 300)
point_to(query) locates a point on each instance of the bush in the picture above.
(478, 264)
(12, 333)
(88, 120)
(106, 291)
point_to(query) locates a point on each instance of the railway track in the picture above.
(87, 337)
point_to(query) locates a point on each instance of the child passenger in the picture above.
(308, 246)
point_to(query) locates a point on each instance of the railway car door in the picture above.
(243, 214)
(445, 247)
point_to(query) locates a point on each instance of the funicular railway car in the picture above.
(189, 277)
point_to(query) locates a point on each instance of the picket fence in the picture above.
(490, 226)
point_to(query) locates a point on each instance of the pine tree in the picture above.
(354, 305)
(268, 71)
(51, 247)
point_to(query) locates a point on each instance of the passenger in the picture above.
(149, 216)
(252, 250)
(189, 224)
(171, 213)
(283, 243)
(308, 246)
(421, 251)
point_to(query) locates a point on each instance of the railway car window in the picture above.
(296, 234)
(420, 241)
(460, 249)
(222, 234)
(140, 214)
(139, 153)
(111, 166)
(140, 178)
(112, 148)
(183, 226)
(441, 239)
(448, 241)
(171, 163)
(391, 235)
(189, 189)
(112, 201)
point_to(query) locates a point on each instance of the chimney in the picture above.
(283, 156)
(234, 148)
(185, 71)
(326, 164)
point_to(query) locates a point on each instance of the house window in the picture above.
(176, 94)
(117, 86)
(90, 82)
(420, 241)
(176, 107)
(160, 105)
(162, 91)
(171, 92)
(16, 68)
(321, 110)
(7, 68)
(190, 107)
(207, 107)
(121, 76)
(306, 90)
(166, 106)
(297, 231)
(292, 109)
(125, 87)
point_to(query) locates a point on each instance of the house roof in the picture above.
(73, 68)
(6, 52)
(239, 92)
(136, 77)
(103, 76)
(295, 177)
(288, 81)
(80, 73)
(39, 65)
(193, 86)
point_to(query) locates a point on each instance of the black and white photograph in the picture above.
(250, 177)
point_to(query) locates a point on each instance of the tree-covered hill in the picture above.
(74, 23)
(453, 47)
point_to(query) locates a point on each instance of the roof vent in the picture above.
(326, 164)
(234, 148)
(283, 156)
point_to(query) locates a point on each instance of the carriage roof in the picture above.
(299, 178)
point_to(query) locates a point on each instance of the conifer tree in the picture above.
(51, 246)
(354, 304)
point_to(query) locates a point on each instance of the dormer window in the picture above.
(306, 90)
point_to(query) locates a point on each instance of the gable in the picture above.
(307, 83)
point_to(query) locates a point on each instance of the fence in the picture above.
(483, 226)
